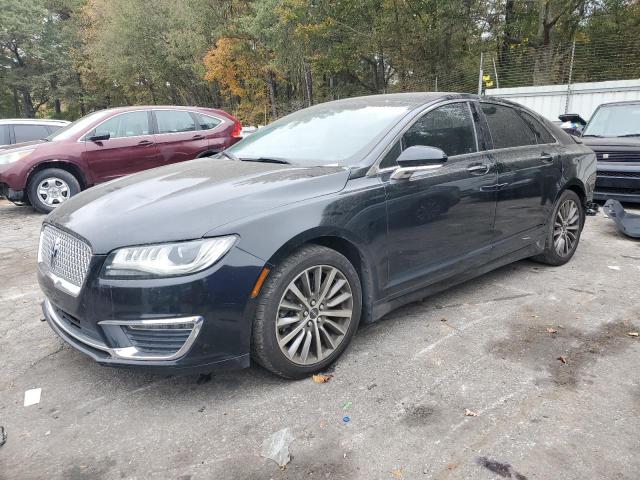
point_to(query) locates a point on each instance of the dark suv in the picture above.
(109, 144)
(614, 134)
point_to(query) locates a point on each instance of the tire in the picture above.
(64, 185)
(318, 322)
(556, 251)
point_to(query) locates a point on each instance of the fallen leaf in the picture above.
(551, 330)
(397, 473)
(443, 319)
(346, 405)
(322, 378)
(633, 334)
(562, 359)
(469, 413)
(452, 466)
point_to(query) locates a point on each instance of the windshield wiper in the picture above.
(592, 135)
(266, 160)
(629, 135)
(229, 155)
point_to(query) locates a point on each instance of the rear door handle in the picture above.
(479, 169)
(145, 142)
(197, 137)
(547, 158)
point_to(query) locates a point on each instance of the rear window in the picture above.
(542, 134)
(207, 122)
(26, 133)
(507, 128)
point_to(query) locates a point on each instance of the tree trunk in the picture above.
(57, 109)
(16, 102)
(308, 80)
(27, 104)
(271, 81)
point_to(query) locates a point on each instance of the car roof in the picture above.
(33, 121)
(626, 102)
(405, 99)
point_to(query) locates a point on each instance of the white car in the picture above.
(20, 130)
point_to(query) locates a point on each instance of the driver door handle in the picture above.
(145, 142)
(479, 169)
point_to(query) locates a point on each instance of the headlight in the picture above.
(14, 156)
(167, 259)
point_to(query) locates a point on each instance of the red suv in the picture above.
(108, 144)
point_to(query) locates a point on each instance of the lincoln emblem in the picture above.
(54, 252)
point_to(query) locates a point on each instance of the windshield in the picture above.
(614, 121)
(329, 134)
(74, 128)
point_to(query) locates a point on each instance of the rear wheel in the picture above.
(309, 309)
(565, 227)
(50, 188)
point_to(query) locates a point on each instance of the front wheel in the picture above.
(51, 187)
(564, 229)
(308, 310)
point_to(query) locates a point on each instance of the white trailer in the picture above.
(581, 98)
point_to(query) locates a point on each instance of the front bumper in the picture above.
(203, 320)
(16, 196)
(619, 181)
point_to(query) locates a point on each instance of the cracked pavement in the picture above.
(482, 346)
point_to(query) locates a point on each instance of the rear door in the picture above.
(178, 136)
(129, 149)
(528, 172)
(440, 222)
(5, 138)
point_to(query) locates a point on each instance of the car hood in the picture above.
(607, 142)
(186, 200)
(21, 146)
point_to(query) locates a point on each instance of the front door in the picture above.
(129, 149)
(178, 136)
(528, 164)
(440, 222)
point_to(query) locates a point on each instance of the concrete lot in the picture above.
(408, 378)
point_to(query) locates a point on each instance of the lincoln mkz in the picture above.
(277, 249)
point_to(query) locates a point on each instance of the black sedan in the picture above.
(334, 215)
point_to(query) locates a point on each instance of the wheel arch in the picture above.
(70, 167)
(576, 186)
(349, 248)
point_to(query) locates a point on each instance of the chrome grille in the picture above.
(65, 256)
(619, 156)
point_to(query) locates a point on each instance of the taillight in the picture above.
(237, 130)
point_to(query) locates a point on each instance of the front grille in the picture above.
(64, 255)
(158, 341)
(619, 174)
(618, 156)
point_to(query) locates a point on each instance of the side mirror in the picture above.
(418, 158)
(99, 137)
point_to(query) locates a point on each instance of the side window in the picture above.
(130, 124)
(174, 121)
(207, 122)
(542, 134)
(449, 128)
(4, 134)
(26, 133)
(506, 127)
(389, 159)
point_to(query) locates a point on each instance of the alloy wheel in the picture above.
(53, 191)
(314, 314)
(565, 228)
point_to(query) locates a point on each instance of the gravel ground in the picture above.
(405, 383)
